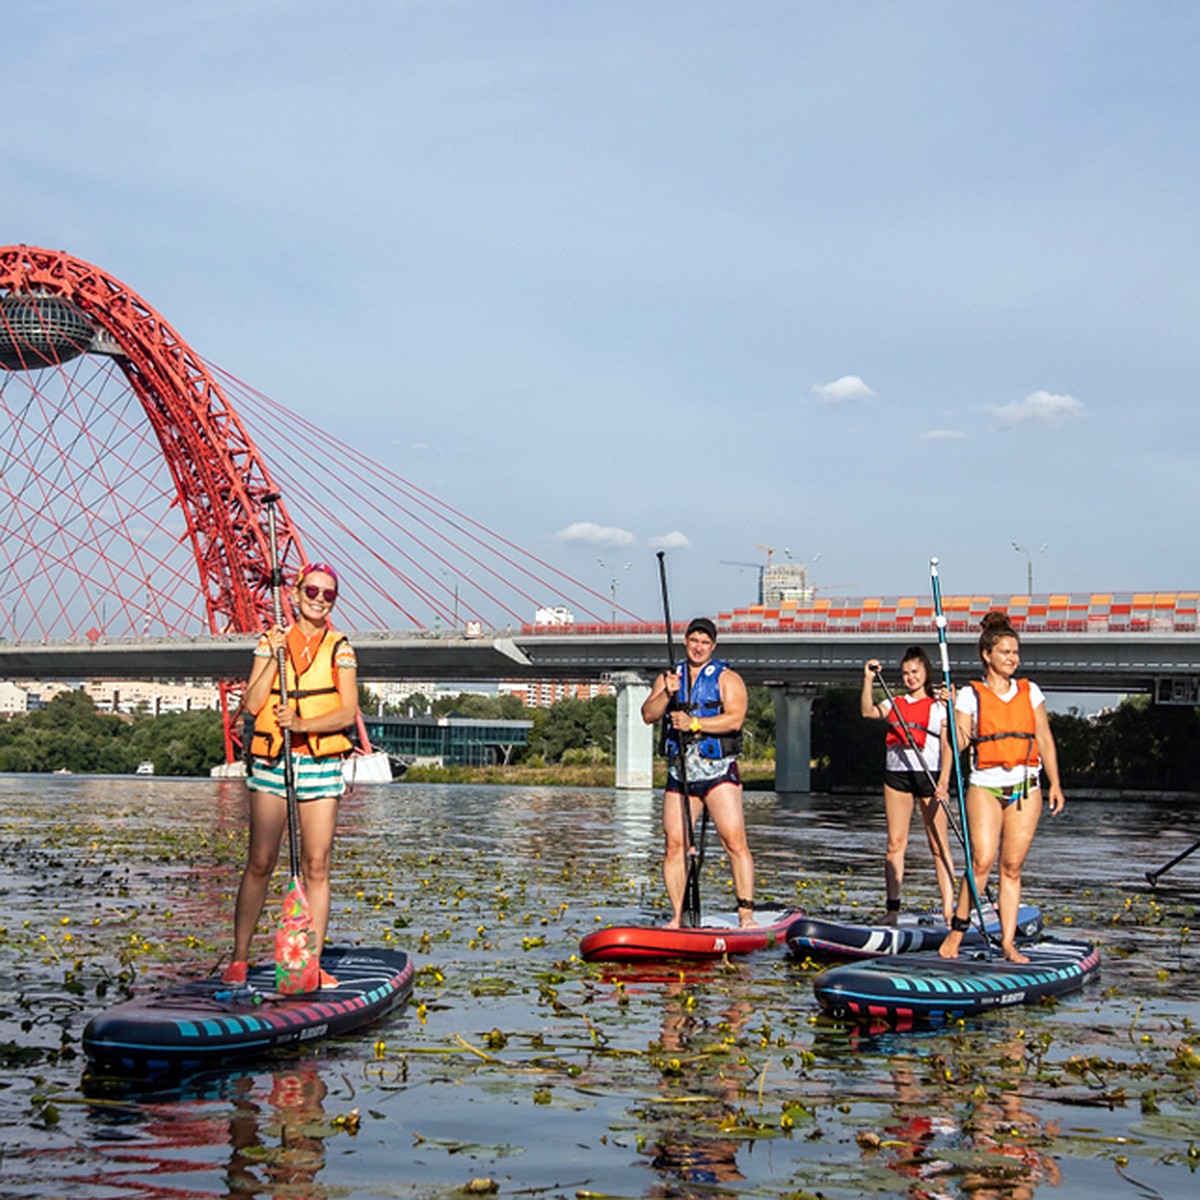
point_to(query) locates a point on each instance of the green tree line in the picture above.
(1137, 745)
(581, 731)
(70, 734)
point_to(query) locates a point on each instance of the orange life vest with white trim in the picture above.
(311, 693)
(1005, 730)
(916, 716)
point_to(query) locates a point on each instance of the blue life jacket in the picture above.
(703, 700)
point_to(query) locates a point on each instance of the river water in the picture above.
(520, 1071)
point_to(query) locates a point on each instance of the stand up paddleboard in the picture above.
(832, 939)
(719, 935)
(198, 1024)
(925, 989)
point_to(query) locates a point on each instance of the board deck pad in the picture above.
(835, 939)
(195, 1024)
(925, 989)
(718, 935)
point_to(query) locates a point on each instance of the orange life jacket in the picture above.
(311, 693)
(916, 716)
(1005, 730)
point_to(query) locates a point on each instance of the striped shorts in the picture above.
(316, 778)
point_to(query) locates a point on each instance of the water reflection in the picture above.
(269, 1128)
(688, 1151)
(1004, 1130)
(911, 1142)
(278, 1143)
(992, 1147)
(653, 1081)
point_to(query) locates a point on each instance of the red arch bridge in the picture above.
(134, 472)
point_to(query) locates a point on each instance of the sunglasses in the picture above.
(329, 595)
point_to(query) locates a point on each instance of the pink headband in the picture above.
(309, 568)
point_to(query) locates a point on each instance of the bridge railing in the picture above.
(1096, 612)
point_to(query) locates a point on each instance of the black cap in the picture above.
(702, 625)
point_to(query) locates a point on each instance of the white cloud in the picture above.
(942, 435)
(1046, 407)
(842, 391)
(587, 533)
(669, 541)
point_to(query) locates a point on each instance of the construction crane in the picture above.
(769, 550)
(753, 566)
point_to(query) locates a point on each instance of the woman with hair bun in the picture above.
(917, 750)
(1004, 721)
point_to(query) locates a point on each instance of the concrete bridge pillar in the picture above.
(635, 739)
(793, 736)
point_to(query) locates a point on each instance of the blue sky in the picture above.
(868, 281)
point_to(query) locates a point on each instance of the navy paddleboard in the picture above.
(197, 1024)
(834, 939)
(720, 934)
(925, 989)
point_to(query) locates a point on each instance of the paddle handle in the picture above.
(1152, 876)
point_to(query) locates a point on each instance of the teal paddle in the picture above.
(944, 647)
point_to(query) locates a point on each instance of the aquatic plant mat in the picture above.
(518, 1070)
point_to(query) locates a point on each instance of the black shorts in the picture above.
(915, 783)
(701, 787)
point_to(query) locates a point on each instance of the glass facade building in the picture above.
(456, 741)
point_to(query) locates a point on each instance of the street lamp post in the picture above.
(613, 585)
(457, 577)
(1029, 563)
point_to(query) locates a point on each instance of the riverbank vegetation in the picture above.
(1137, 746)
(69, 734)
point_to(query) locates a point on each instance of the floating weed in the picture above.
(742, 1042)
(1185, 1060)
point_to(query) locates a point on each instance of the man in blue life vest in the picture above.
(703, 702)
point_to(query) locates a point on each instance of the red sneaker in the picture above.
(328, 983)
(235, 973)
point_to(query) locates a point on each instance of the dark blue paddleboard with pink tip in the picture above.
(906, 990)
(837, 939)
(205, 1022)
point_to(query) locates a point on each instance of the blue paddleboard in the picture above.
(835, 939)
(205, 1022)
(925, 989)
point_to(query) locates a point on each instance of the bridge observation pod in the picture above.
(41, 330)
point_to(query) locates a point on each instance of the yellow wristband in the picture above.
(695, 725)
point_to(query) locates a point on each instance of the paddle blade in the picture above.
(297, 957)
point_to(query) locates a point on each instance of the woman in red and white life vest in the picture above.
(1004, 721)
(322, 689)
(916, 768)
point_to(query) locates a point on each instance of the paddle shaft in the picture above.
(944, 648)
(289, 766)
(691, 893)
(1152, 876)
